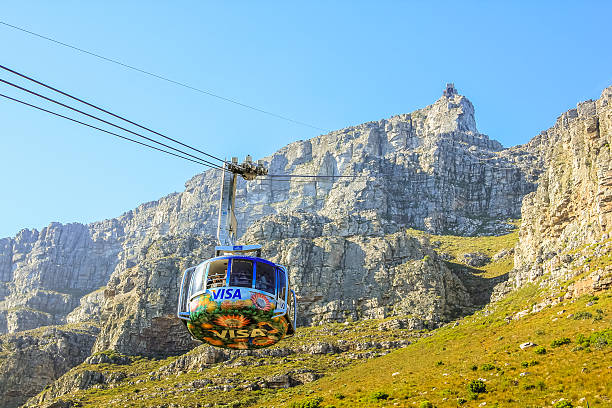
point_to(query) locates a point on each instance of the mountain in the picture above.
(430, 170)
(350, 244)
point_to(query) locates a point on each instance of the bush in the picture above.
(541, 385)
(583, 315)
(439, 363)
(426, 404)
(477, 386)
(308, 403)
(540, 350)
(461, 401)
(380, 395)
(564, 404)
(339, 396)
(560, 342)
(601, 339)
(474, 367)
(529, 363)
(487, 367)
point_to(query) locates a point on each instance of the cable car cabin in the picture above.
(237, 301)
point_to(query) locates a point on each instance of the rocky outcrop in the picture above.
(355, 269)
(139, 307)
(339, 270)
(430, 169)
(30, 361)
(572, 205)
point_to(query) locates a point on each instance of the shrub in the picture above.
(529, 363)
(601, 339)
(487, 367)
(439, 363)
(339, 395)
(308, 403)
(541, 385)
(540, 350)
(474, 367)
(477, 386)
(582, 315)
(461, 401)
(560, 342)
(426, 404)
(564, 404)
(380, 395)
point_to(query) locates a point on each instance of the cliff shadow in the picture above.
(480, 288)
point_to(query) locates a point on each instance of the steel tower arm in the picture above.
(227, 226)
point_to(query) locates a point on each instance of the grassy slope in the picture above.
(436, 368)
(439, 368)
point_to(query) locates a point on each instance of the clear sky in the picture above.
(331, 64)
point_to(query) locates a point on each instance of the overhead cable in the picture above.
(107, 112)
(106, 131)
(108, 123)
(310, 176)
(183, 84)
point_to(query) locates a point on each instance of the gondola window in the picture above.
(217, 273)
(242, 273)
(265, 277)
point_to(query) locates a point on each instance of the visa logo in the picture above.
(219, 294)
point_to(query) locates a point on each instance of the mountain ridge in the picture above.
(346, 243)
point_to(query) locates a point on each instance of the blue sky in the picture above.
(331, 64)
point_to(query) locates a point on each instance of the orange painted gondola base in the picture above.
(236, 323)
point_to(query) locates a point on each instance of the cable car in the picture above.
(237, 299)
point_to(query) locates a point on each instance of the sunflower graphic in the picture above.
(195, 330)
(261, 302)
(214, 342)
(263, 341)
(232, 321)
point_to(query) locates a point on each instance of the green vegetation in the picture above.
(490, 245)
(540, 350)
(476, 360)
(380, 395)
(560, 342)
(308, 403)
(477, 387)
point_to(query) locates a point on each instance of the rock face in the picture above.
(352, 268)
(430, 169)
(31, 360)
(139, 306)
(339, 270)
(343, 239)
(572, 205)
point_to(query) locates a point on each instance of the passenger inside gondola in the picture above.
(242, 273)
(265, 279)
(217, 273)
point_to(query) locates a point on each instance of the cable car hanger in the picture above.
(237, 299)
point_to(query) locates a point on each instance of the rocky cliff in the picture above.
(430, 169)
(344, 239)
(572, 206)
